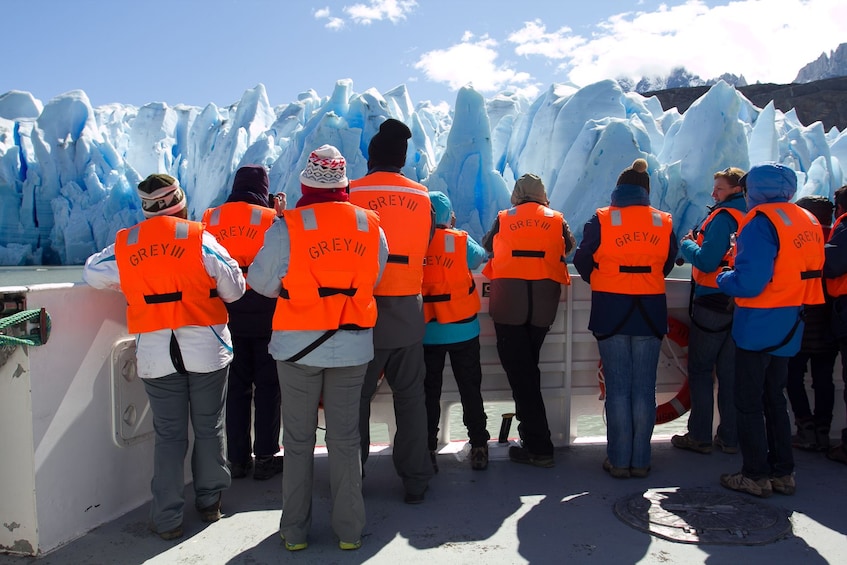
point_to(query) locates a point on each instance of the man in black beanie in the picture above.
(407, 218)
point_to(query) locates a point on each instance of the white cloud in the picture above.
(758, 39)
(333, 23)
(474, 62)
(377, 10)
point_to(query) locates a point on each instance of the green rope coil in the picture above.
(39, 338)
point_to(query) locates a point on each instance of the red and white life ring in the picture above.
(681, 403)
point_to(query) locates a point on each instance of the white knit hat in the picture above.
(326, 168)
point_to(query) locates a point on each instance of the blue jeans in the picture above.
(629, 366)
(764, 430)
(172, 399)
(711, 351)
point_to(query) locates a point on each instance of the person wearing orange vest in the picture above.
(711, 351)
(176, 278)
(406, 216)
(835, 273)
(818, 351)
(778, 267)
(239, 225)
(321, 262)
(627, 250)
(451, 304)
(529, 243)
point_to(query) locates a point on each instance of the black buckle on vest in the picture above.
(398, 259)
(527, 253)
(634, 269)
(806, 275)
(325, 291)
(436, 298)
(163, 298)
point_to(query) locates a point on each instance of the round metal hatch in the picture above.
(702, 516)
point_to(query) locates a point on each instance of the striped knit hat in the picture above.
(326, 168)
(161, 196)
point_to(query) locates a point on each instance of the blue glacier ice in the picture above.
(68, 170)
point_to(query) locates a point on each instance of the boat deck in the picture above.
(509, 513)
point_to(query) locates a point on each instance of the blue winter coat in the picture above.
(757, 329)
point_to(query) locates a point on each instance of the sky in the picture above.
(200, 51)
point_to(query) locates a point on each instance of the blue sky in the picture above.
(200, 51)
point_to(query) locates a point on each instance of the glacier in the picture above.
(68, 171)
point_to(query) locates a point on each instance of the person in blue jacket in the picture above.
(461, 340)
(779, 249)
(711, 351)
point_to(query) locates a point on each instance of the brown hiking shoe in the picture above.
(616, 472)
(686, 442)
(784, 484)
(837, 453)
(761, 487)
(211, 513)
(479, 458)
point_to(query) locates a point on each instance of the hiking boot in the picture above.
(784, 484)
(349, 545)
(523, 455)
(172, 534)
(616, 472)
(837, 453)
(479, 458)
(761, 487)
(720, 444)
(267, 467)
(685, 442)
(211, 513)
(434, 461)
(639, 472)
(239, 470)
(805, 437)
(822, 438)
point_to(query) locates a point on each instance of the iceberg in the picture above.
(68, 171)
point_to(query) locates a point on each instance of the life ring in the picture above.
(681, 403)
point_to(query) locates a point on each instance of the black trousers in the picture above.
(464, 359)
(519, 348)
(252, 366)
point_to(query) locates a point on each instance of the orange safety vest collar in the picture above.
(449, 291)
(161, 271)
(634, 245)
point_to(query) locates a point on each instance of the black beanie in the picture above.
(636, 174)
(250, 185)
(820, 206)
(388, 146)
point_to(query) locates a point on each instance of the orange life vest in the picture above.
(449, 291)
(332, 268)
(160, 265)
(404, 215)
(710, 279)
(240, 228)
(798, 266)
(529, 245)
(838, 286)
(634, 245)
